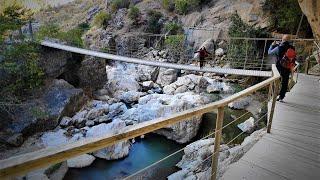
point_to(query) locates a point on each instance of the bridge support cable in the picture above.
(216, 70)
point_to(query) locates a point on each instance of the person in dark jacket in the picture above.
(279, 50)
(203, 53)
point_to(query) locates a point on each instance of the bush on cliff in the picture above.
(102, 19)
(154, 25)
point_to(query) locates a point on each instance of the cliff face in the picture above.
(311, 8)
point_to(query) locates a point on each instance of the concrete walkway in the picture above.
(292, 150)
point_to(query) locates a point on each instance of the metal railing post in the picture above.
(273, 104)
(217, 139)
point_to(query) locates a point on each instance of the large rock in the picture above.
(241, 103)
(161, 105)
(197, 84)
(92, 73)
(311, 9)
(116, 151)
(167, 76)
(100, 39)
(122, 78)
(54, 62)
(80, 161)
(147, 73)
(59, 99)
(196, 161)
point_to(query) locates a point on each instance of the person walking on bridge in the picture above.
(203, 53)
(285, 53)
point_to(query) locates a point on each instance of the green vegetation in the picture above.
(20, 72)
(134, 14)
(174, 28)
(168, 5)
(118, 4)
(154, 26)
(72, 37)
(240, 48)
(102, 19)
(184, 6)
(285, 16)
(174, 41)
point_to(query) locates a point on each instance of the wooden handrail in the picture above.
(22, 164)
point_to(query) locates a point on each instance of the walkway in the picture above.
(292, 150)
(217, 70)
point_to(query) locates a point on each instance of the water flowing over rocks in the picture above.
(196, 161)
(161, 105)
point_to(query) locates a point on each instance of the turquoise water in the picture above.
(142, 153)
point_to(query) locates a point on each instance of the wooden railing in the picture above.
(22, 164)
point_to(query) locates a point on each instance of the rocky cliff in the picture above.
(311, 8)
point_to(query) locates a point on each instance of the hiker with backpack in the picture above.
(285, 63)
(203, 53)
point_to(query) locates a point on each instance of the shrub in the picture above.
(174, 41)
(168, 5)
(285, 16)
(154, 25)
(21, 66)
(184, 6)
(101, 19)
(174, 28)
(72, 37)
(241, 48)
(134, 13)
(118, 4)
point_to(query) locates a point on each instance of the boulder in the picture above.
(161, 105)
(241, 103)
(197, 84)
(196, 161)
(80, 161)
(167, 76)
(116, 151)
(122, 78)
(92, 73)
(131, 96)
(219, 52)
(59, 99)
(247, 126)
(147, 73)
(54, 62)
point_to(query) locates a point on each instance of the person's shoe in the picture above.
(280, 100)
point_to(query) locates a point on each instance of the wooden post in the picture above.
(306, 70)
(217, 139)
(274, 99)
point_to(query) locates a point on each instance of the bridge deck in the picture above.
(155, 63)
(292, 149)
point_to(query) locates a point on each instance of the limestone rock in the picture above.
(247, 126)
(122, 78)
(116, 151)
(161, 105)
(219, 52)
(131, 96)
(242, 103)
(167, 76)
(59, 99)
(92, 73)
(81, 161)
